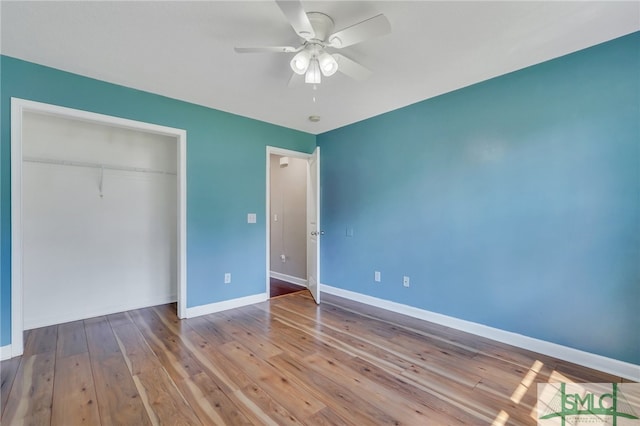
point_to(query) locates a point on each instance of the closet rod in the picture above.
(94, 165)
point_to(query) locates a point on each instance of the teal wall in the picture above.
(226, 159)
(513, 203)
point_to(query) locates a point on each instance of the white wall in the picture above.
(87, 255)
(289, 202)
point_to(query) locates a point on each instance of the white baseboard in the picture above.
(5, 352)
(288, 278)
(225, 305)
(587, 359)
(64, 317)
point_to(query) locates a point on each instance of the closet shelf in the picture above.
(95, 165)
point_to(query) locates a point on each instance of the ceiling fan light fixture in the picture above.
(328, 64)
(300, 62)
(313, 75)
(316, 30)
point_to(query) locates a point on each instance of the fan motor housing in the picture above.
(322, 25)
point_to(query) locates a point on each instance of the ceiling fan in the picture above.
(312, 57)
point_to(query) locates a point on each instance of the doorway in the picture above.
(98, 177)
(292, 233)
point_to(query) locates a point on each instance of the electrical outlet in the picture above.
(405, 281)
(227, 278)
(376, 276)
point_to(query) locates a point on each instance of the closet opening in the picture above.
(98, 216)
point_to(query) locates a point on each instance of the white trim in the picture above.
(287, 153)
(17, 345)
(587, 359)
(5, 352)
(18, 107)
(225, 305)
(181, 240)
(288, 278)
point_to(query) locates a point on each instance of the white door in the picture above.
(313, 224)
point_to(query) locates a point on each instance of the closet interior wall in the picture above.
(99, 219)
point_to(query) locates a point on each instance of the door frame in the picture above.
(18, 108)
(286, 153)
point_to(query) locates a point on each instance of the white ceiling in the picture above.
(184, 50)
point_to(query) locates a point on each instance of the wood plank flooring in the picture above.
(282, 362)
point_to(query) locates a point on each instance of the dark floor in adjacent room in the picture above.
(280, 288)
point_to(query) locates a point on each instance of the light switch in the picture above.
(275, 217)
(251, 218)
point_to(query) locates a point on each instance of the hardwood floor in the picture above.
(281, 362)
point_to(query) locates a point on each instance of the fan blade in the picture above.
(351, 68)
(297, 17)
(373, 27)
(272, 49)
